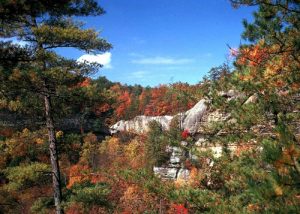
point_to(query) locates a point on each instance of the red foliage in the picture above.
(158, 105)
(158, 101)
(185, 134)
(180, 209)
(124, 100)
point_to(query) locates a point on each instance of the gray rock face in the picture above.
(172, 173)
(139, 124)
(194, 115)
(173, 169)
(166, 172)
(176, 156)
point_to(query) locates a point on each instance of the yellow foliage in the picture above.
(90, 138)
(134, 153)
(3, 103)
(59, 134)
(25, 132)
(253, 207)
(278, 190)
(110, 146)
(14, 105)
(39, 141)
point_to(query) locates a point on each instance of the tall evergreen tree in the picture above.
(36, 68)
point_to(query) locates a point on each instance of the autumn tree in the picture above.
(37, 68)
(267, 68)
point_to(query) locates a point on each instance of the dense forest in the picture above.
(58, 155)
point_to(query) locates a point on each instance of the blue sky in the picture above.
(165, 41)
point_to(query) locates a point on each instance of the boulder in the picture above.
(252, 99)
(231, 94)
(194, 116)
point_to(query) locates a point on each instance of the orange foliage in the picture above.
(77, 174)
(85, 83)
(253, 55)
(159, 104)
(243, 148)
(136, 200)
(286, 159)
(158, 101)
(268, 65)
(194, 179)
(124, 101)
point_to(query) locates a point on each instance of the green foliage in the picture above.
(148, 181)
(24, 176)
(90, 194)
(41, 206)
(173, 134)
(70, 144)
(219, 72)
(23, 147)
(89, 150)
(155, 146)
(272, 151)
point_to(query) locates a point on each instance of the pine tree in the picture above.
(36, 68)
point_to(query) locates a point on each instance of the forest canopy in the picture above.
(58, 153)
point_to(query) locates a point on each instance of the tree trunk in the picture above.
(56, 180)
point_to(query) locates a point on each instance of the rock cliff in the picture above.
(189, 120)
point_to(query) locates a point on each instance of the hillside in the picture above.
(70, 143)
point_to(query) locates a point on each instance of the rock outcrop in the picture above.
(140, 124)
(193, 116)
(189, 120)
(174, 169)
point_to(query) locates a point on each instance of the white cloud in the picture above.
(162, 61)
(103, 59)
